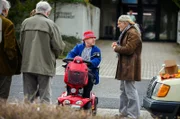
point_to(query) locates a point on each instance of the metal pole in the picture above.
(0, 6)
(54, 11)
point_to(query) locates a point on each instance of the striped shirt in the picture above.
(86, 54)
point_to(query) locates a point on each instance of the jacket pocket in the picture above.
(128, 68)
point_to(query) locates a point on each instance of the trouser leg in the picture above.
(29, 86)
(44, 88)
(89, 86)
(123, 99)
(5, 84)
(133, 106)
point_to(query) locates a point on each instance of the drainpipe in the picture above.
(0, 21)
(54, 11)
(0, 6)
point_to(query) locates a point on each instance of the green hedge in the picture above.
(70, 42)
(70, 1)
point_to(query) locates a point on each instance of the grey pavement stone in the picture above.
(112, 112)
(153, 56)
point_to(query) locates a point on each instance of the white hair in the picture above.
(125, 18)
(43, 7)
(137, 28)
(5, 5)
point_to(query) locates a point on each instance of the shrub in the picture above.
(70, 42)
(37, 111)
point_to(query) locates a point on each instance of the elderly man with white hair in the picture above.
(9, 51)
(128, 47)
(41, 44)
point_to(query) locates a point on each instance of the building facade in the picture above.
(157, 18)
(75, 18)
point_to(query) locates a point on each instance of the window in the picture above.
(129, 1)
(168, 22)
(149, 16)
(149, 1)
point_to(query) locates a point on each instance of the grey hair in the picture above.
(6, 5)
(43, 7)
(125, 18)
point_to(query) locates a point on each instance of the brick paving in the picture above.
(153, 56)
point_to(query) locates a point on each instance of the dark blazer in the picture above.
(10, 56)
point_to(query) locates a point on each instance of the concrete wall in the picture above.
(75, 18)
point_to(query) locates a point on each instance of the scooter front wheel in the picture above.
(87, 106)
(94, 111)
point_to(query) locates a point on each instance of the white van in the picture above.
(163, 97)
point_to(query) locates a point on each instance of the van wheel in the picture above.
(87, 109)
(177, 115)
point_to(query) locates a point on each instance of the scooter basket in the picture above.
(76, 74)
(77, 78)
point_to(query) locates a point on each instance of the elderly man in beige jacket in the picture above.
(41, 44)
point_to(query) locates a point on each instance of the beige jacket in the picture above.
(41, 44)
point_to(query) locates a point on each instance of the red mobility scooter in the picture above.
(76, 77)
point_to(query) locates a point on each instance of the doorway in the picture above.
(149, 27)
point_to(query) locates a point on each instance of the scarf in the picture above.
(121, 35)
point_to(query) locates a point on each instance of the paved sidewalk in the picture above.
(113, 112)
(153, 56)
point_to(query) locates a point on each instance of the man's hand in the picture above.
(114, 44)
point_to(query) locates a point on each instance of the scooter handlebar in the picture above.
(71, 59)
(87, 62)
(67, 60)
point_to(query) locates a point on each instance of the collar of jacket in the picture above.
(1, 15)
(122, 34)
(127, 28)
(42, 15)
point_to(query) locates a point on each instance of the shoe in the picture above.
(119, 116)
(126, 118)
